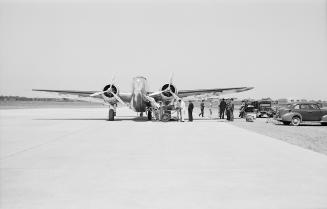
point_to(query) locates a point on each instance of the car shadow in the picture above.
(305, 124)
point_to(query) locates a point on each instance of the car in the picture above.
(296, 113)
(248, 111)
(264, 108)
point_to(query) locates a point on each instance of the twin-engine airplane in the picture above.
(140, 99)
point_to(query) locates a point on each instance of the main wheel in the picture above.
(149, 115)
(296, 120)
(111, 115)
(324, 123)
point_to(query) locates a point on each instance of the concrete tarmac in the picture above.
(74, 158)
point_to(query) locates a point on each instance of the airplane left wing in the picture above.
(85, 95)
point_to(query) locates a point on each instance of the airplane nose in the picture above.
(138, 85)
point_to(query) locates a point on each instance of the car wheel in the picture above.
(324, 123)
(286, 122)
(296, 120)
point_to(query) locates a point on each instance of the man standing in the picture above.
(232, 109)
(202, 108)
(228, 108)
(190, 111)
(182, 110)
(178, 109)
(222, 108)
(210, 110)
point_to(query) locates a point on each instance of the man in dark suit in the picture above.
(222, 108)
(190, 111)
(202, 108)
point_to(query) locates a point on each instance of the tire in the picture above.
(286, 122)
(296, 120)
(111, 115)
(324, 123)
(149, 115)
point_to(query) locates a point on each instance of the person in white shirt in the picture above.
(183, 112)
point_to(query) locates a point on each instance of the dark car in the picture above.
(297, 113)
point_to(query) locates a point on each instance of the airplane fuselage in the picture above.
(139, 91)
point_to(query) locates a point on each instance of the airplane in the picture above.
(140, 99)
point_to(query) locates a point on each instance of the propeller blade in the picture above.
(174, 95)
(155, 93)
(97, 93)
(118, 98)
(171, 78)
(113, 80)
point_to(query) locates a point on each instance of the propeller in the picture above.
(167, 89)
(109, 90)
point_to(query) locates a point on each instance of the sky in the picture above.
(278, 47)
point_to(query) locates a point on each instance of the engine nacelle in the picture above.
(168, 95)
(108, 96)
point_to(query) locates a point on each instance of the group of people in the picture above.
(225, 107)
(228, 108)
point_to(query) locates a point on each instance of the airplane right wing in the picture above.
(216, 91)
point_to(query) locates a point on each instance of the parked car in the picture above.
(297, 113)
(248, 110)
(264, 108)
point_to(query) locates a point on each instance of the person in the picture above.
(182, 110)
(228, 108)
(242, 110)
(222, 108)
(190, 111)
(210, 110)
(231, 109)
(202, 108)
(178, 109)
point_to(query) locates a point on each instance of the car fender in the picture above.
(290, 115)
(324, 118)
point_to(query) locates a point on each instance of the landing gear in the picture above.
(111, 115)
(149, 115)
(112, 112)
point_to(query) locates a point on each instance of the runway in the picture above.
(74, 158)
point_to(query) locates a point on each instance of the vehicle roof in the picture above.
(296, 103)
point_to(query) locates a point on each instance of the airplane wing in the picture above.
(217, 91)
(85, 95)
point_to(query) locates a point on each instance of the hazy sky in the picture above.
(279, 48)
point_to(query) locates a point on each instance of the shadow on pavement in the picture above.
(120, 118)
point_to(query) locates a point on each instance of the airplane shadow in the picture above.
(121, 118)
